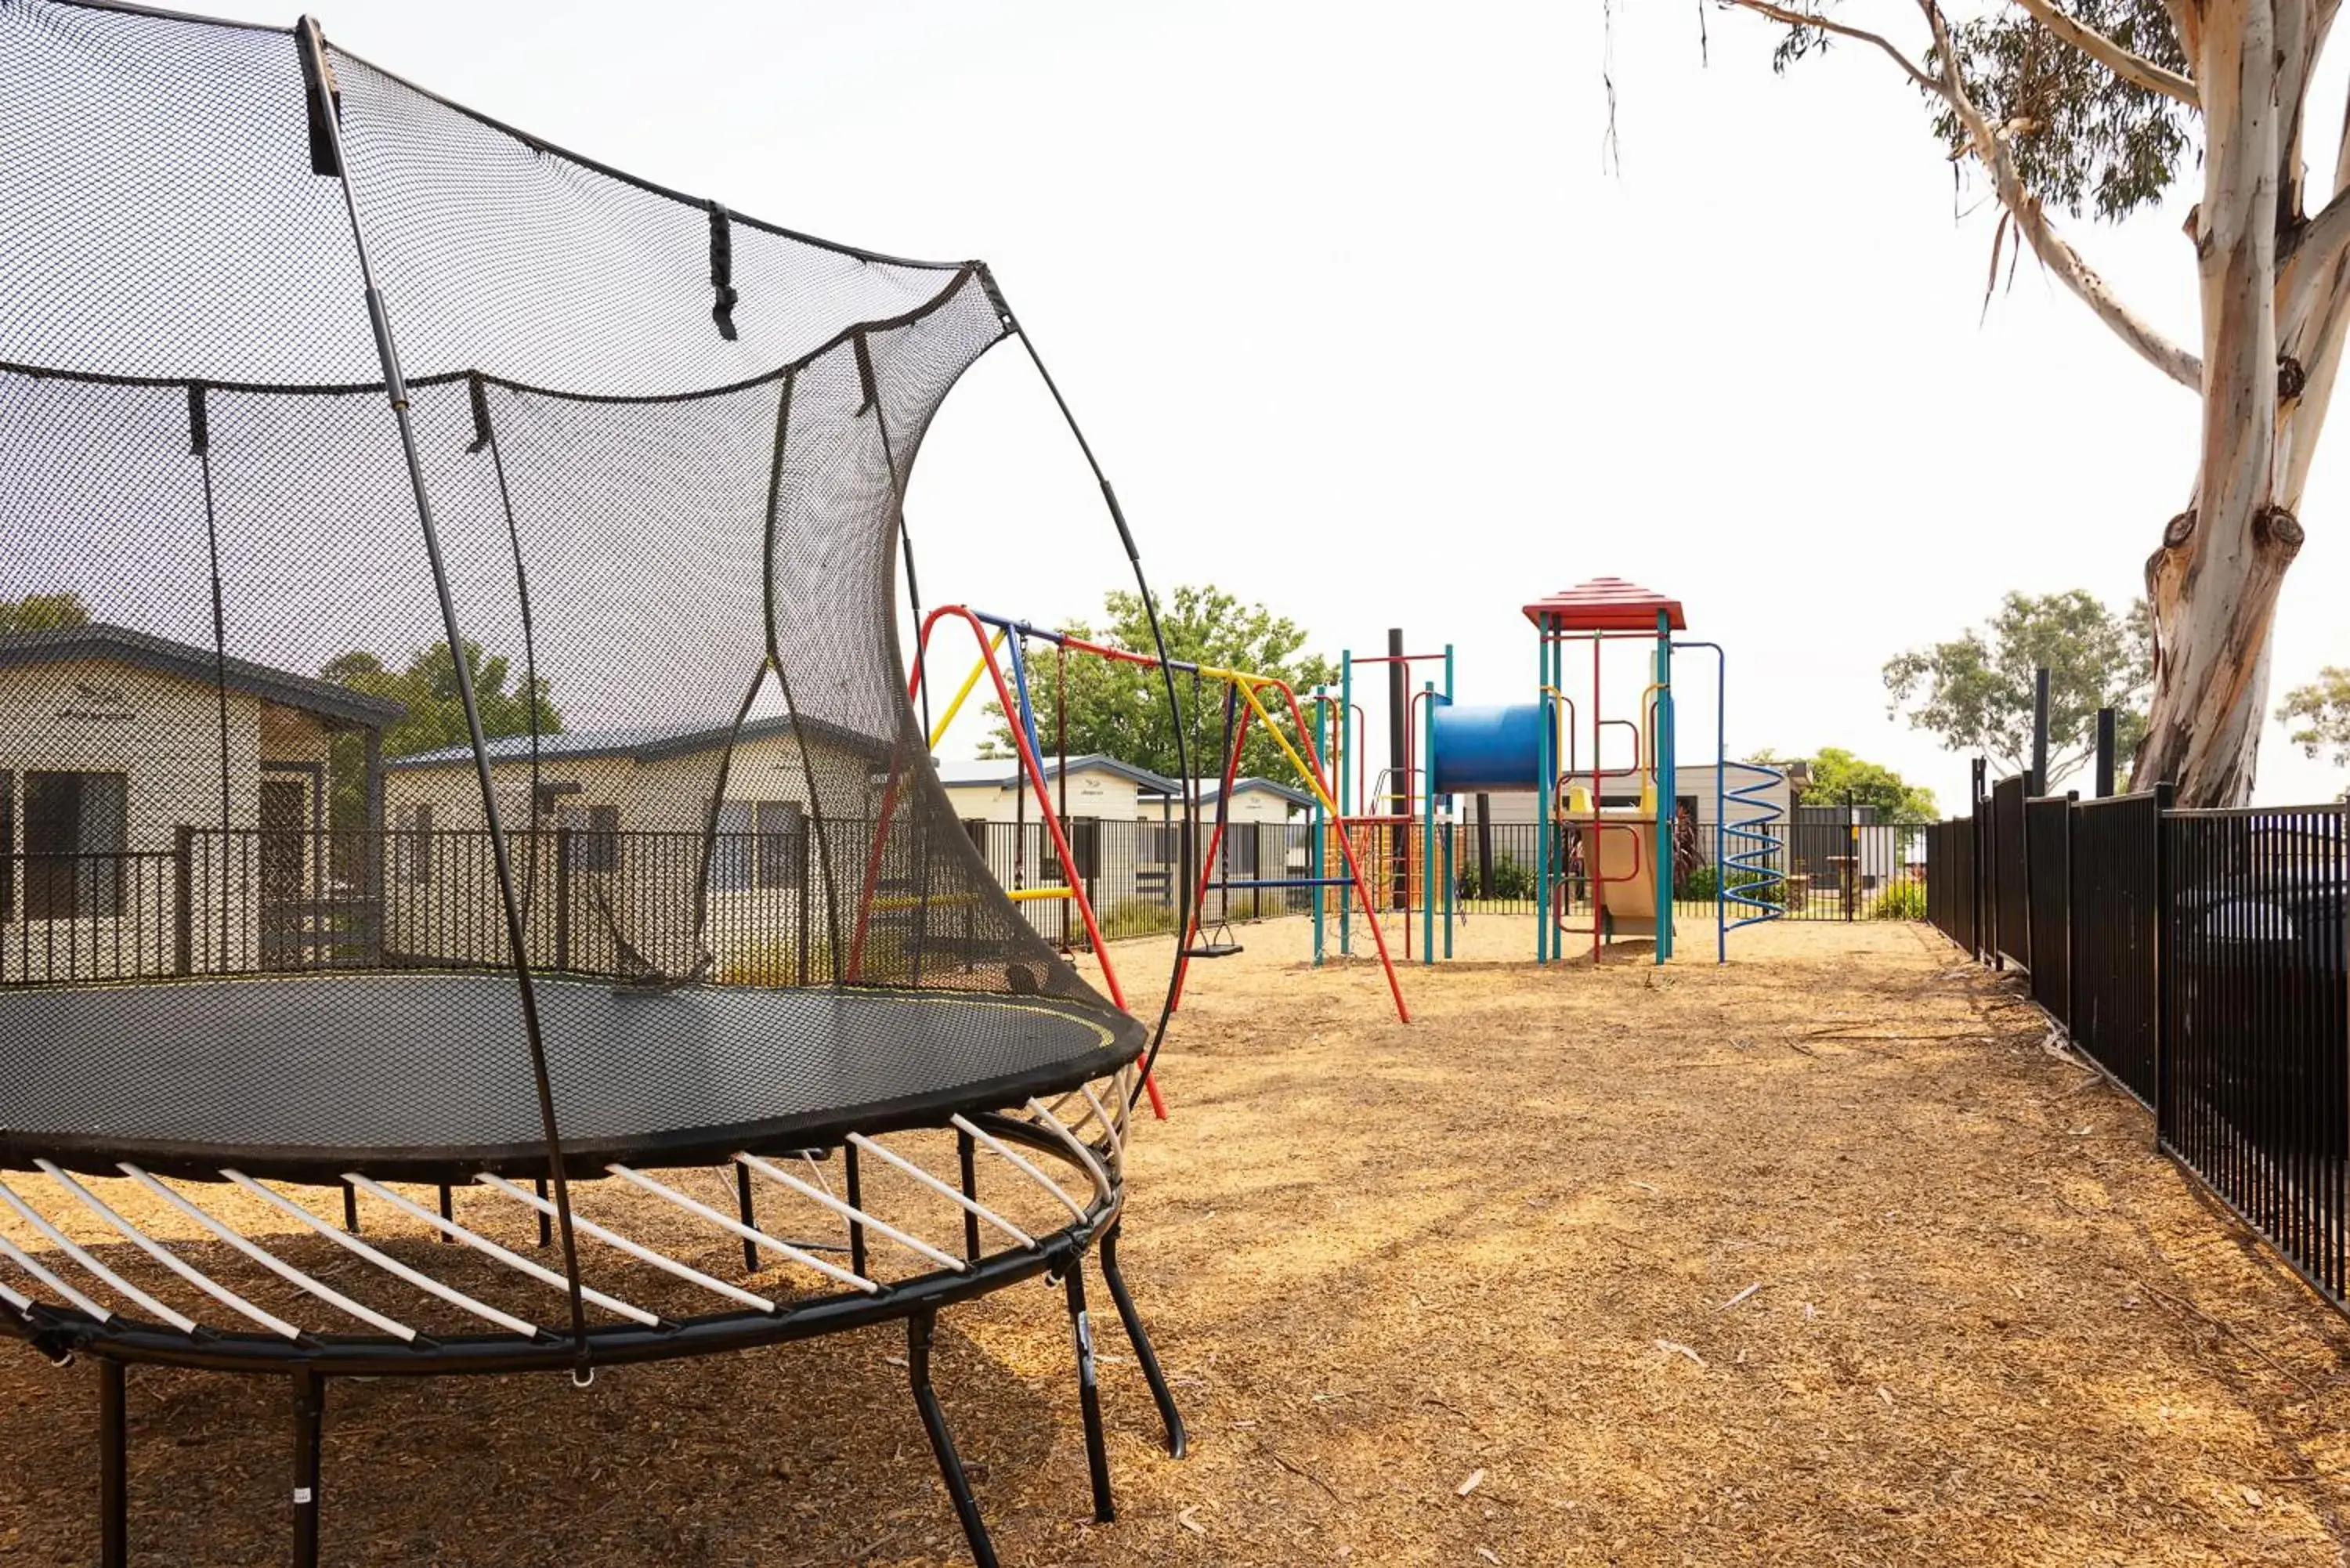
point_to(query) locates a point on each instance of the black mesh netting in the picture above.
(252, 899)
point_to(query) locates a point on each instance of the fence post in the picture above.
(562, 898)
(1851, 855)
(2164, 794)
(2072, 911)
(1980, 855)
(2105, 752)
(183, 900)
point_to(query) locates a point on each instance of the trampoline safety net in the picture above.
(663, 446)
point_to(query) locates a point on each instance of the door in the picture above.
(283, 816)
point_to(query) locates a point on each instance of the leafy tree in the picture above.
(2322, 709)
(1121, 709)
(1836, 773)
(427, 688)
(2105, 105)
(43, 612)
(1976, 691)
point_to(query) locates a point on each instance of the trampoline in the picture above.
(469, 866)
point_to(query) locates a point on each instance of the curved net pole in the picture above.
(1158, 646)
(325, 113)
(486, 438)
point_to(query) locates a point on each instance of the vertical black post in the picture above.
(1399, 768)
(2165, 795)
(1089, 1394)
(545, 1220)
(183, 899)
(967, 1156)
(113, 1467)
(1484, 846)
(1974, 809)
(562, 898)
(310, 1407)
(919, 1328)
(2105, 752)
(1851, 857)
(746, 1208)
(2072, 918)
(351, 1209)
(448, 1211)
(2039, 732)
(855, 1200)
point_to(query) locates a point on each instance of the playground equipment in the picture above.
(1607, 838)
(654, 454)
(1243, 703)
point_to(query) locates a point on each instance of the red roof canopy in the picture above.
(1605, 604)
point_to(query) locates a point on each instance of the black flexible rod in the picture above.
(314, 48)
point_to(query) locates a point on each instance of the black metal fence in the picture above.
(2202, 958)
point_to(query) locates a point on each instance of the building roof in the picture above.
(638, 743)
(186, 662)
(1004, 772)
(1605, 604)
(1210, 787)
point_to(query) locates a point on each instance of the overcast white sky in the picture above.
(1362, 326)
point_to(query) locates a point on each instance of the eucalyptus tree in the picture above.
(2100, 108)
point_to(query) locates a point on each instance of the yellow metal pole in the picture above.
(969, 682)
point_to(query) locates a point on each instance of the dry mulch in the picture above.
(1821, 1258)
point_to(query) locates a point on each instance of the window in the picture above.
(1084, 846)
(415, 846)
(783, 843)
(595, 837)
(1240, 850)
(76, 829)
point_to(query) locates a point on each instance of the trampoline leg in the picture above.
(309, 1406)
(351, 1209)
(742, 1202)
(1089, 1394)
(934, 1422)
(967, 1156)
(855, 1200)
(1139, 1338)
(113, 1467)
(447, 1212)
(545, 1220)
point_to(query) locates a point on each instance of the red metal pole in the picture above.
(1207, 861)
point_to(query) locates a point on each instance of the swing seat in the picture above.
(1219, 944)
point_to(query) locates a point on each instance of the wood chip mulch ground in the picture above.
(1823, 1258)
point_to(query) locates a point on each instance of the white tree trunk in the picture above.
(2213, 585)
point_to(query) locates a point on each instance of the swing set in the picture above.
(1245, 702)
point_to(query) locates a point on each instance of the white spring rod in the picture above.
(32, 1265)
(817, 1171)
(169, 1259)
(389, 1264)
(489, 1249)
(962, 1123)
(57, 1239)
(644, 1254)
(1075, 1146)
(732, 1226)
(1110, 1132)
(969, 1205)
(16, 1301)
(914, 1244)
(275, 1265)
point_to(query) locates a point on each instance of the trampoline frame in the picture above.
(309, 1361)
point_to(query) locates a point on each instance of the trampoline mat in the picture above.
(426, 1075)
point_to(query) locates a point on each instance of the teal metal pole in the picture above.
(1451, 814)
(1668, 811)
(1314, 853)
(1541, 791)
(1427, 820)
(1346, 739)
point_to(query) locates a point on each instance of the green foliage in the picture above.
(1133, 917)
(1836, 773)
(427, 688)
(2083, 136)
(1121, 709)
(1903, 900)
(1975, 691)
(1703, 885)
(2321, 711)
(1511, 882)
(43, 612)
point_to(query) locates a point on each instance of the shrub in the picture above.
(1702, 884)
(1903, 900)
(1511, 880)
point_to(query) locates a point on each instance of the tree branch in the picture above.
(2054, 252)
(1990, 148)
(2130, 68)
